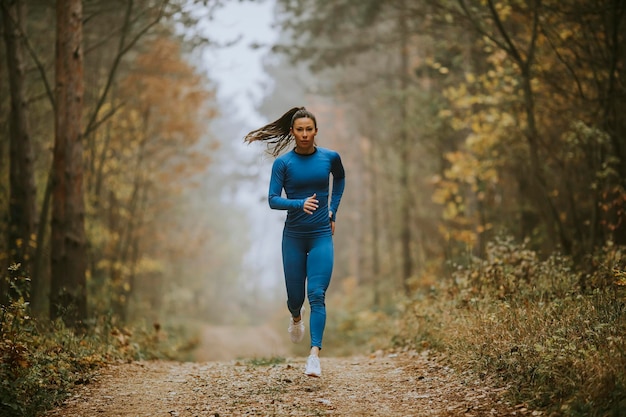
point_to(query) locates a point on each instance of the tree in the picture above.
(22, 208)
(68, 293)
(542, 156)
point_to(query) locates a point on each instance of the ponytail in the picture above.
(277, 135)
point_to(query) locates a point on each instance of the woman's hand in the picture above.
(332, 223)
(310, 204)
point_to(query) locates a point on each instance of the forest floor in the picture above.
(396, 384)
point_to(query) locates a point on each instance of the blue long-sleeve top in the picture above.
(301, 176)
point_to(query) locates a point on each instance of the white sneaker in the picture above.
(296, 330)
(313, 367)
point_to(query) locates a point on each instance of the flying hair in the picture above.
(277, 135)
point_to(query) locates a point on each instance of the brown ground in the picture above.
(405, 384)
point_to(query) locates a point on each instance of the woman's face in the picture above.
(304, 130)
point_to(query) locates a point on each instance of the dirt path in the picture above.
(220, 343)
(383, 385)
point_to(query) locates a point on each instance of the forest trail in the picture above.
(222, 343)
(404, 384)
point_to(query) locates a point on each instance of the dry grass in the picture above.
(528, 322)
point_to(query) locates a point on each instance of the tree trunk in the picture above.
(375, 224)
(405, 206)
(613, 121)
(22, 208)
(41, 271)
(68, 295)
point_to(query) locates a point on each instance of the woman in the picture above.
(303, 173)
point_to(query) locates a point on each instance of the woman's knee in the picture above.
(316, 295)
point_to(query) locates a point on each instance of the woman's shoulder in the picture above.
(329, 152)
(284, 157)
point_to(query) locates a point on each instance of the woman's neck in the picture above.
(304, 151)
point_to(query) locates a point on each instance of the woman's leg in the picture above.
(294, 266)
(319, 271)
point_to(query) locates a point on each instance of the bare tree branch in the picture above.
(122, 50)
(35, 58)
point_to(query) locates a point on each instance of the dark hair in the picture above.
(277, 135)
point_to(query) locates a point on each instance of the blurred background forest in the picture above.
(485, 148)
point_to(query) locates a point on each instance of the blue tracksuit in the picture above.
(307, 238)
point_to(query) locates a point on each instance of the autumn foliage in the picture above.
(139, 138)
(144, 157)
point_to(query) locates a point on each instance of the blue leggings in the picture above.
(310, 261)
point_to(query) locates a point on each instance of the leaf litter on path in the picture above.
(406, 384)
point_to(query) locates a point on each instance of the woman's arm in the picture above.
(275, 198)
(339, 183)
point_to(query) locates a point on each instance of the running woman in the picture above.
(307, 247)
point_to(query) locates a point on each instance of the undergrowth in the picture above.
(40, 363)
(353, 325)
(553, 334)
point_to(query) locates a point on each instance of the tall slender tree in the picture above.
(405, 205)
(68, 295)
(22, 209)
